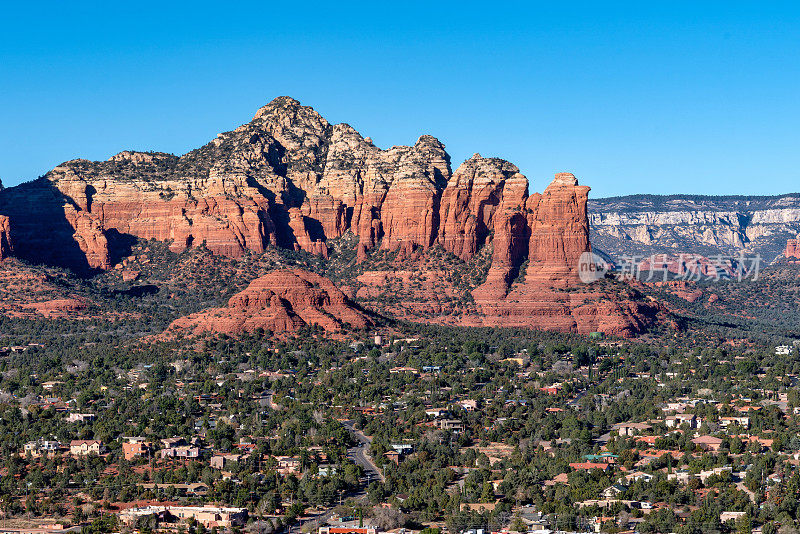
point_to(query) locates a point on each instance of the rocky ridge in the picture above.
(707, 225)
(290, 179)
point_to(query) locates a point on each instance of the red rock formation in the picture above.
(551, 230)
(129, 275)
(471, 199)
(289, 178)
(559, 231)
(279, 301)
(793, 249)
(58, 308)
(409, 214)
(90, 237)
(302, 236)
(5, 237)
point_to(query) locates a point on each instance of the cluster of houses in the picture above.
(171, 517)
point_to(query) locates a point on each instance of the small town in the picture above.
(434, 432)
(399, 267)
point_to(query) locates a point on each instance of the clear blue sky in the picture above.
(695, 97)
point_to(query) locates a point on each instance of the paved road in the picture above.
(360, 453)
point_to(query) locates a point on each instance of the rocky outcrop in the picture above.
(59, 308)
(472, 198)
(643, 225)
(792, 249)
(290, 179)
(5, 237)
(287, 178)
(550, 231)
(559, 231)
(280, 301)
(538, 242)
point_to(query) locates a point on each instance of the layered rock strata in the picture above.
(288, 178)
(280, 301)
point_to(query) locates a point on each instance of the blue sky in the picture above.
(695, 97)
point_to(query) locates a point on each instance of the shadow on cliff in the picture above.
(120, 245)
(40, 231)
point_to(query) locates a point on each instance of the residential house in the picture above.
(173, 442)
(84, 447)
(288, 465)
(708, 443)
(221, 461)
(631, 429)
(81, 417)
(613, 491)
(42, 446)
(454, 425)
(725, 422)
(392, 456)
(724, 517)
(675, 421)
(469, 405)
(208, 516)
(588, 466)
(181, 451)
(136, 448)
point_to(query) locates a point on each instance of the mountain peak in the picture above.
(281, 104)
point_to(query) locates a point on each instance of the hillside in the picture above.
(707, 225)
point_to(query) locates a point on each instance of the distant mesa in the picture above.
(644, 225)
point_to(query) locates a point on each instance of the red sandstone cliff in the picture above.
(793, 249)
(5, 237)
(551, 231)
(290, 179)
(474, 194)
(280, 301)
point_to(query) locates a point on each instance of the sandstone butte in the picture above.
(283, 300)
(288, 178)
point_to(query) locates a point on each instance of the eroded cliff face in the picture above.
(287, 178)
(472, 197)
(5, 237)
(792, 249)
(290, 179)
(649, 224)
(5, 234)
